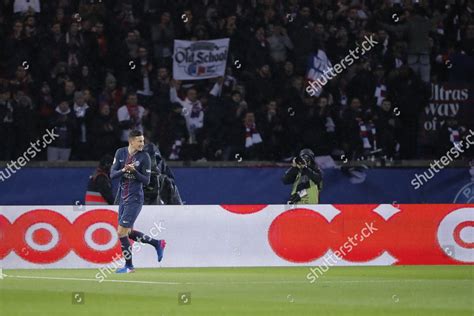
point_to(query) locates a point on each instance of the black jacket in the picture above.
(313, 173)
(100, 182)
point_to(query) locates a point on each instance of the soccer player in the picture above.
(132, 165)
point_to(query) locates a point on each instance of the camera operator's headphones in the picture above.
(307, 155)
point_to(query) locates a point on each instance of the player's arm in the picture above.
(143, 174)
(115, 170)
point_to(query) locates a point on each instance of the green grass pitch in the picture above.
(395, 290)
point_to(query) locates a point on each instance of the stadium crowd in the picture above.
(94, 69)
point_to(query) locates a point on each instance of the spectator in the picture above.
(130, 116)
(259, 50)
(30, 27)
(104, 132)
(63, 123)
(102, 42)
(161, 90)
(368, 134)
(285, 76)
(82, 114)
(217, 115)
(387, 125)
(192, 110)
(228, 131)
(45, 105)
(23, 118)
(301, 33)
(273, 135)
(52, 50)
(417, 30)
(15, 47)
(90, 99)
(351, 122)
(143, 76)
(159, 104)
(319, 126)
(261, 88)
(74, 41)
(46, 58)
(162, 35)
(279, 43)
(85, 79)
(132, 42)
(22, 81)
(177, 132)
(411, 95)
(7, 129)
(68, 91)
(252, 140)
(111, 94)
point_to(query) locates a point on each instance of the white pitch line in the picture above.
(324, 281)
(95, 280)
(231, 282)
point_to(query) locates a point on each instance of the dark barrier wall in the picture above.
(59, 186)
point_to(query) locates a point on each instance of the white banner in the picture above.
(200, 59)
(236, 235)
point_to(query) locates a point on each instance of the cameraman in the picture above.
(99, 187)
(306, 178)
(162, 188)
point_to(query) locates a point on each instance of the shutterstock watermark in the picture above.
(30, 153)
(118, 260)
(315, 85)
(446, 159)
(346, 248)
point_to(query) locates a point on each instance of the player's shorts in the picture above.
(128, 213)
